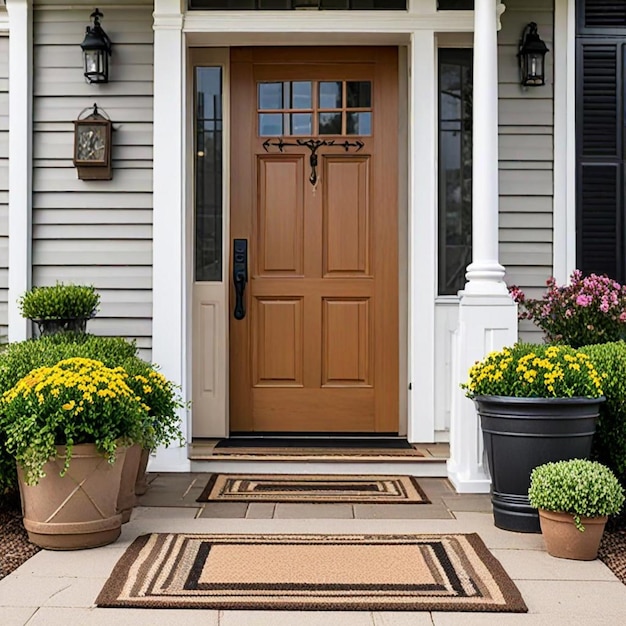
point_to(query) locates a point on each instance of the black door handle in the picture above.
(240, 276)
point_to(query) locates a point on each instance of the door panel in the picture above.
(346, 217)
(318, 349)
(346, 334)
(280, 220)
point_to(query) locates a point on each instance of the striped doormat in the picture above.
(452, 572)
(313, 488)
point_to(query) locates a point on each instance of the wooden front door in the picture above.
(314, 193)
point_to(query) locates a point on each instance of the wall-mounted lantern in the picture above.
(532, 57)
(92, 146)
(96, 51)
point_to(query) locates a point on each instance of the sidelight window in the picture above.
(455, 168)
(208, 174)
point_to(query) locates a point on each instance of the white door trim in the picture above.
(169, 296)
(20, 14)
(564, 208)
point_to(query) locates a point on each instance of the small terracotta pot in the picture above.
(565, 541)
(141, 485)
(126, 499)
(77, 510)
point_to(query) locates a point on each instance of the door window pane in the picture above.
(301, 95)
(330, 123)
(455, 168)
(301, 124)
(270, 95)
(208, 174)
(270, 124)
(359, 124)
(359, 94)
(330, 95)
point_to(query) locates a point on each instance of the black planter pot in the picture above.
(522, 433)
(58, 325)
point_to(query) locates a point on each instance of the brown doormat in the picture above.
(453, 572)
(247, 451)
(313, 488)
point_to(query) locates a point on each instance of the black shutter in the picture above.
(604, 14)
(600, 202)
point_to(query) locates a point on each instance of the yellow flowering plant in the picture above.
(163, 399)
(535, 371)
(76, 401)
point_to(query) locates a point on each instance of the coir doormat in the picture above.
(452, 572)
(319, 447)
(313, 488)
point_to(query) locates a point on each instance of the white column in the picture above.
(168, 261)
(485, 274)
(487, 314)
(422, 235)
(20, 160)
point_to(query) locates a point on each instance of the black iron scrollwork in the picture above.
(313, 145)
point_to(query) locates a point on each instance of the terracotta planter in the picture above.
(126, 499)
(141, 486)
(565, 541)
(78, 510)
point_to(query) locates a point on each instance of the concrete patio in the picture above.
(57, 588)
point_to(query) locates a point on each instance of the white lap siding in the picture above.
(4, 182)
(526, 157)
(95, 232)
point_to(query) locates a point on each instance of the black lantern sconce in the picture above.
(92, 146)
(532, 57)
(96, 51)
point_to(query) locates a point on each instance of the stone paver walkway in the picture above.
(59, 588)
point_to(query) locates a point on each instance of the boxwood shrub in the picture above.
(18, 359)
(610, 437)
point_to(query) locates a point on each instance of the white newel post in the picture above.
(20, 160)
(487, 314)
(168, 261)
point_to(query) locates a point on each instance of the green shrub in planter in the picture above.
(579, 487)
(60, 307)
(610, 438)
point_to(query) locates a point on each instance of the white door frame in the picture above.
(174, 31)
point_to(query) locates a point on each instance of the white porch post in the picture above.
(423, 236)
(487, 314)
(168, 266)
(20, 159)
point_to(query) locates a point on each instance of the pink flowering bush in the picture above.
(590, 310)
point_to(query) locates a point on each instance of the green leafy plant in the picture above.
(579, 487)
(163, 398)
(59, 302)
(75, 401)
(535, 371)
(609, 443)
